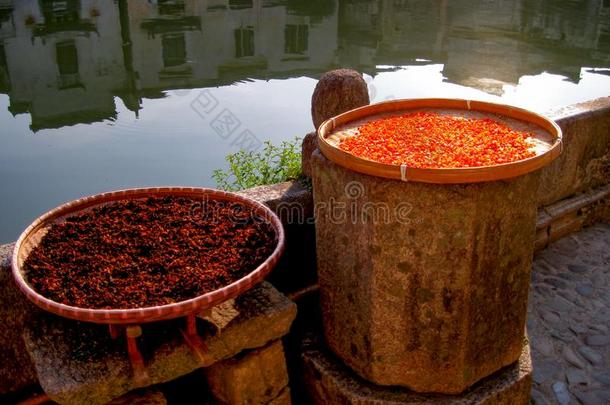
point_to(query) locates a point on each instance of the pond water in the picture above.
(97, 95)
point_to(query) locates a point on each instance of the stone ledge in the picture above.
(571, 214)
(592, 108)
(6, 251)
(283, 199)
(585, 161)
(16, 369)
(79, 363)
(577, 202)
(329, 381)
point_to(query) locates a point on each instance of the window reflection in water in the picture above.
(174, 50)
(296, 38)
(244, 42)
(67, 63)
(240, 4)
(89, 52)
(171, 7)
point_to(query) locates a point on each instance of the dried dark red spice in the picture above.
(148, 252)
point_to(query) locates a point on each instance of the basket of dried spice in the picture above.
(425, 226)
(143, 255)
(440, 140)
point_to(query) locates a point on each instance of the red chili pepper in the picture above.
(432, 140)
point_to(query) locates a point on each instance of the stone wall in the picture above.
(585, 161)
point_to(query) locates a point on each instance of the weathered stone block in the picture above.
(330, 382)
(78, 363)
(290, 200)
(16, 368)
(257, 377)
(600, 209)
(337, 91)
(585, 161)
(309, 145)
(565, 225)
(423, 280)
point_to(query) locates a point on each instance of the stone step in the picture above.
(329, 381)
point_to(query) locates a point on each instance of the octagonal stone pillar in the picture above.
(423, 285)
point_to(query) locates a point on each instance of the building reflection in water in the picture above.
(64, 62)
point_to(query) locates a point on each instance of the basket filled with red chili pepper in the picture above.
(440, 140)
(144, 255)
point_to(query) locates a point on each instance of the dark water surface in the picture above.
(100, 95)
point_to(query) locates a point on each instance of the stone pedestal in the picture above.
(423, 285)
(328, 381)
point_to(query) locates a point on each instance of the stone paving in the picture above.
(569, 319)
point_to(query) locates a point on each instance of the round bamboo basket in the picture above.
(547, 139)
(32, 236)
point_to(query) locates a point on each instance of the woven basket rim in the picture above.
(440, 175)
(151, 313)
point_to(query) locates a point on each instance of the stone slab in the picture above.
(283, 199)
(254, 378)
(427, 278)
(585, 161)
(79, 363)
(328, 381)
(566, 225)
(16, 369)
(569, 215)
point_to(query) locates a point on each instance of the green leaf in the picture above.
(271, 164)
